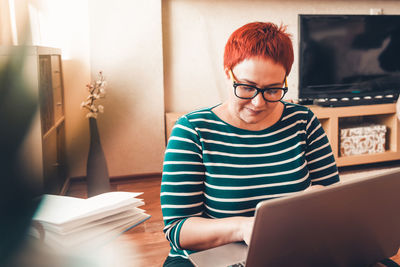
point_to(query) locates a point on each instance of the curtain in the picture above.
(5, 23)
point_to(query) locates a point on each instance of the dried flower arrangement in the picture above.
(96, 91)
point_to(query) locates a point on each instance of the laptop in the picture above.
(352, 223)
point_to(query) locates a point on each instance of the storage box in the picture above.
(365, 139)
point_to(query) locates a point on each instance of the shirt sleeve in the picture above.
(182, 182)
(320, 160)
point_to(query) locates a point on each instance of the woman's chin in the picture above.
(251, 119)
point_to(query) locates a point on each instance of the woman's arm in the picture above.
(202, 233)
(320, 160)
(182, 197)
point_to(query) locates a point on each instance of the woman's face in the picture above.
(262, 73)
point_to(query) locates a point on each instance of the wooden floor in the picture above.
(150, 247)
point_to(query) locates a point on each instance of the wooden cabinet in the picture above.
(43, 151)
(333, 119)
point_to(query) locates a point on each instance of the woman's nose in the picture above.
(258, 100)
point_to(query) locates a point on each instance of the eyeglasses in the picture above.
(248, 91)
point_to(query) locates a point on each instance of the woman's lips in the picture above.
(253, 112)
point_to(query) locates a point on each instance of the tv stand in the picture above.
(334, 118)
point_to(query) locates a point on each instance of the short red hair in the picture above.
(259, 39)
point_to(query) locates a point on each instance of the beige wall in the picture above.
(126, 43)
(5, 29)
(195, 32)
(124, 40)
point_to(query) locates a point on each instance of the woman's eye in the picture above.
(273, 91)
(248, 88)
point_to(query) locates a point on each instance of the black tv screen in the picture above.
(349, 57)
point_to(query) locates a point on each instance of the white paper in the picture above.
(62, 209)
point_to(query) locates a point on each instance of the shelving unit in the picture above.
(332, 119)
(43, 151)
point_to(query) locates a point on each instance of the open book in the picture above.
(66, 222)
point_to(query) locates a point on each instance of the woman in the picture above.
(221, 161)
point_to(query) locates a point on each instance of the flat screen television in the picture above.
(349, 59)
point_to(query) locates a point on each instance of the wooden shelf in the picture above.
(351, 111)
(331, 120)
(385, 114)
(54, 127)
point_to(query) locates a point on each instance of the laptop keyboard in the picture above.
(239, 264)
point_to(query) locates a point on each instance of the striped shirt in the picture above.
(215, 170)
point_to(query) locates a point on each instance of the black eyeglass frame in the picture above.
(258, 90)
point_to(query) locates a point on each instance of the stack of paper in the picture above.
(69, 222)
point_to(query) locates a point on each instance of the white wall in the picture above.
(195, 32)
(5, 22)
(126, 44)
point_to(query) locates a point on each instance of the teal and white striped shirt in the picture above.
(215, 170)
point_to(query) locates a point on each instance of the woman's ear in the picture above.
(227, 75)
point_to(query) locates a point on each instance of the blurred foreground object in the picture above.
(42, 150)
(17, 108)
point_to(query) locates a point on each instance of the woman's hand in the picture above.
(203, 233)
(314, 187)
(246, 228)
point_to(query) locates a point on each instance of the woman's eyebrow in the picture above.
(265, 86)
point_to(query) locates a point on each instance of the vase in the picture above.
(97, 178)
